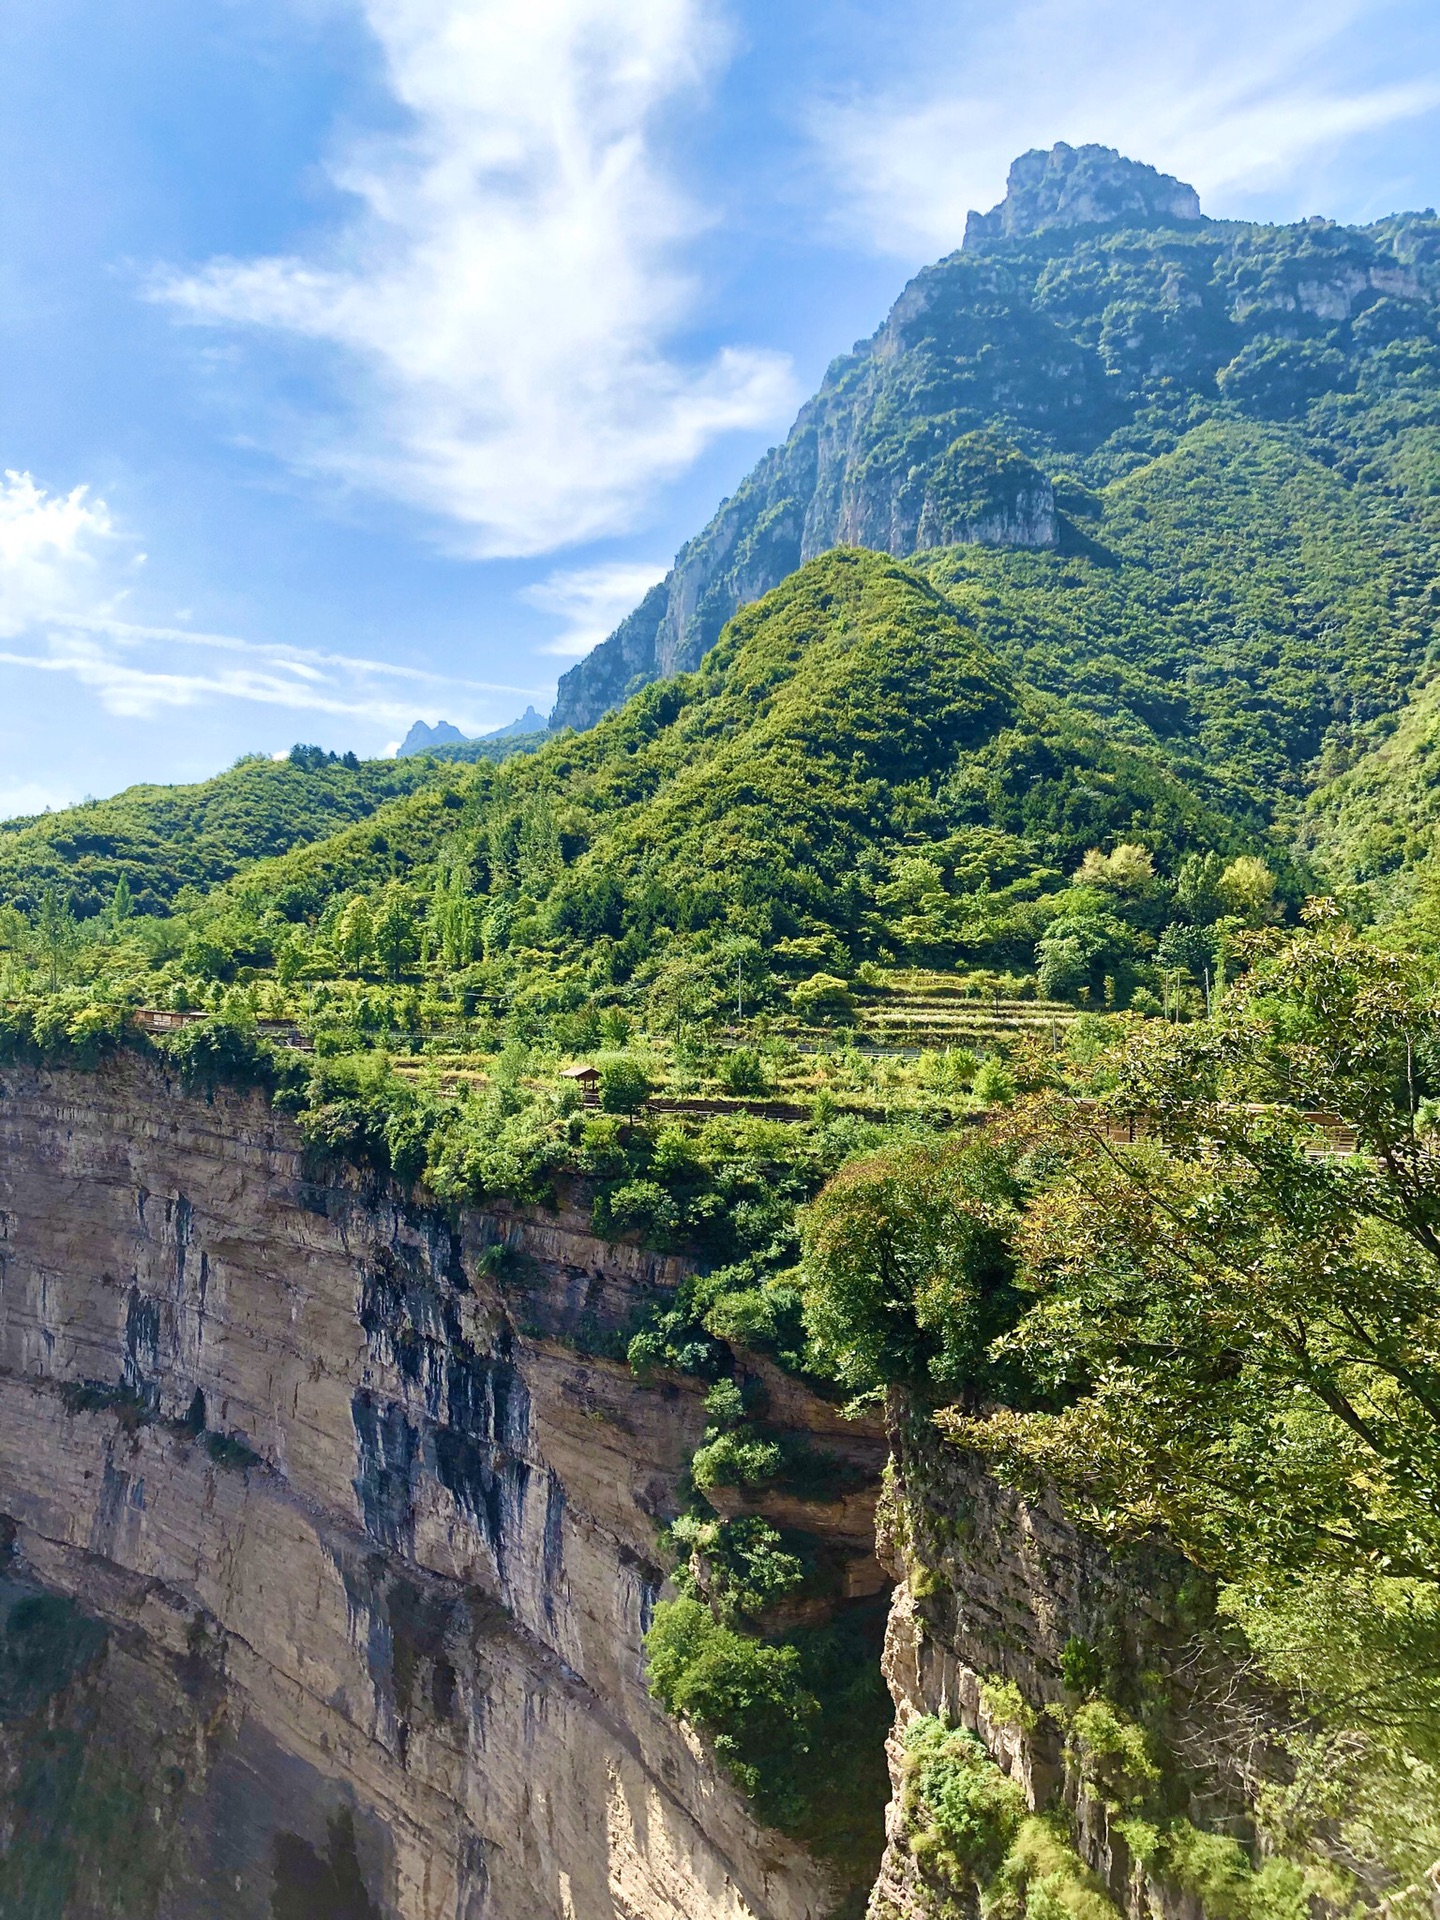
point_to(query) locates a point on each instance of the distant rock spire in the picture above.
(1080, 187)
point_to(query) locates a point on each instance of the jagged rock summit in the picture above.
(910, 442)
(1088, 324)
(421, 738)
(1081, 187)
(529, 722)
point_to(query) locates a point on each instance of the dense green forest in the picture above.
(1235, 604)
(161, 840)
(885, 928)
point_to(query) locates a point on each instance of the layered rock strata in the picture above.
(346, 1530)
(991, 1591)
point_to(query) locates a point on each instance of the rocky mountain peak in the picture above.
(421, 738)
(1077, 187)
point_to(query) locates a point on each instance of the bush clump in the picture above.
(961, 1810)
(746, 1694)
(907, 1266)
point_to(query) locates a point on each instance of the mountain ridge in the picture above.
(1047, 352)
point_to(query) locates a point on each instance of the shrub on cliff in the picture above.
(222, 1050)
(961, 1812)
(735, 1460)
(746, 1694)
(70, 1028)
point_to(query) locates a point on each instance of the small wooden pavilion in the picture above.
(588, 1081)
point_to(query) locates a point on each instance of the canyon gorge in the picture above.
(358, 1545)
(330, 1546)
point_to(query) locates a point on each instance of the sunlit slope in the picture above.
(1378, 825)
(849, 721)
(165, 838)
(1237, 604)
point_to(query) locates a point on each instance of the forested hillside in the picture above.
(1008, 963)
(852, 776)
(1237, 604)
(159, 840)
(1066, 346)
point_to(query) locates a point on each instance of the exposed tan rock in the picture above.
(990, 1587)
(401, 1649)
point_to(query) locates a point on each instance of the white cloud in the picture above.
(54, 549)
(66, 573)
(504, 297)
(1231, 97)
(591, 601)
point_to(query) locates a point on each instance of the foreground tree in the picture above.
(907, 1265)
(1218, 1302)
(1246, 1320)
(1236, 1326)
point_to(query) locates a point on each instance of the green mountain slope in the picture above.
(849, 719)
(1379, 823)
(165, 838)
(1237, 603)
(852, 774)
(1086, 330)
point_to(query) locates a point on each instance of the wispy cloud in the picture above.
(1232, 97)
(66, 574)
(506, 298)
(591, 601)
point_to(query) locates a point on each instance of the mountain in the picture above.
(1090, 324)
(420, 738)
(1088, 186)
(403, 1436)
(529, 722)
(161, 839)
(1237, 605)
(443, 738)
(848, 719)
(852, 773)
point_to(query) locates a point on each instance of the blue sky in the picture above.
(363, 360)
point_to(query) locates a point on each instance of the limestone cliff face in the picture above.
(1080, 187)
(991, 1588)
(347, 1546)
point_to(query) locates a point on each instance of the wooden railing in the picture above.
(172, 1019)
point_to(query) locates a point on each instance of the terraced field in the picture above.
(916, 1009)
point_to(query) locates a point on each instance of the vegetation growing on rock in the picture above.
(939, 944)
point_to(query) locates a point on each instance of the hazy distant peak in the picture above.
(529, 722)
(1078, 187)
(421, 738)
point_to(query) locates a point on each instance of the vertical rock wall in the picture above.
(359, 1546)
(991, 1589)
